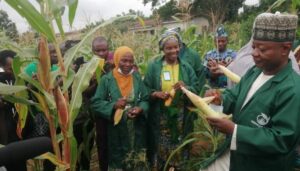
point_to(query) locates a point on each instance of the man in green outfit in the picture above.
(265, 128)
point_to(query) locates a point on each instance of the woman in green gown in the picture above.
(123, 89)
(168, 124)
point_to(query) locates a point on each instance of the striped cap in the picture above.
(275, 27)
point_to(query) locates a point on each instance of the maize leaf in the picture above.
(229, 74)
(100, 69)
(118, 116)
(80, 83)
(201, 104)
(73, 152)
(170, 99)
(53, 159)
(10, 90)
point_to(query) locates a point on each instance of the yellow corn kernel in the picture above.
(229, 74)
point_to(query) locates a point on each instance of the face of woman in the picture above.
(126, 63)
(171, 51)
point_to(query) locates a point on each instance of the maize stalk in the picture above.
(169, 100)
(118, 116)
(229, 74)
(201, 104)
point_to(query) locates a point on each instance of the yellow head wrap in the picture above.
(125, 82)
(119, 53)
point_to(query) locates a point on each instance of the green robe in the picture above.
(124, 138)
(191, 57)
(153, 81)
(268, 126)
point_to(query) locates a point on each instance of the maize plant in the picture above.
(204, 141)
(52, 98)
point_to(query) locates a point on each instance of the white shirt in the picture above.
(260, 80)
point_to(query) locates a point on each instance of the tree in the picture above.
(168, 10)
(217, 11)
(8, 26)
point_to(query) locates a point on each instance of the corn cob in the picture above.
(229, 74)
(62, 109)
(208, 99)
(201, 104)
(118, 116)
(169, 100)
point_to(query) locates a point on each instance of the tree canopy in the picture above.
(8, 26)
(216, 11)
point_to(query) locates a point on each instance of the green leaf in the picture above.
(178, 149)
(25, 52)
(6, 89)
(71, 53)
(53, 159)
(74, 153)
(81, 82)
(69, 80)
(16, 99)
(72, 10)
(36, 84)
(57, 8)
(33, 17)
(59, 24)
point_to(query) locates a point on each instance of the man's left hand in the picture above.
(223, 125)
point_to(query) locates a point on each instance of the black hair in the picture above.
(6, 54)
(99, 39)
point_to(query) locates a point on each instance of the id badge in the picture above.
(167, 76)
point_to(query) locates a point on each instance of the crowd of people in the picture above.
(263, 133)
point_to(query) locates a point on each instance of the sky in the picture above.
(89, 11)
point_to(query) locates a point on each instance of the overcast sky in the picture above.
(91, 10)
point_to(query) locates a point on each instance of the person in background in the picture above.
(123, 89)
(167, 125)
(8, 113)
(100, 47)
(190, 56)
(264, 130)
(31, 69)
(297, 55)
(219, 56)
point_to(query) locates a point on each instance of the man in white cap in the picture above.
(265, 128)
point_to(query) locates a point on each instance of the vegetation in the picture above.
(53, 100)
(8, 26)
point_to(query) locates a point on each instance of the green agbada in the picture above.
(268, 126)
(153, 81)
(128, 137)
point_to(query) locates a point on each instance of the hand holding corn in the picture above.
(178, 85)
(216, 94)
(225, 126)
(134, 112)
(120, 104)
(160, 95)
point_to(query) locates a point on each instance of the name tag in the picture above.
(167, 76)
